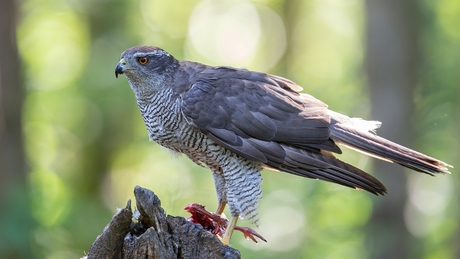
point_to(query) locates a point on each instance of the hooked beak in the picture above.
(120, 68)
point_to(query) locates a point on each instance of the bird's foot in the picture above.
(250, 233)
(216, 224)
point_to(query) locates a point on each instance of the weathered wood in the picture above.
(153, 235)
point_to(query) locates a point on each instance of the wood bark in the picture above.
(153, 235)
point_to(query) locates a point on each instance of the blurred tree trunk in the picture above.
(290, 19)
(391, 67)
(15, 223)
(11, 94)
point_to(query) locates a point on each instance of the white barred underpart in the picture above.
(237, 180)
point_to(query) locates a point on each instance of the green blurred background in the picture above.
(73, 144)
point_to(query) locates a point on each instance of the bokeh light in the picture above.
(87, 146)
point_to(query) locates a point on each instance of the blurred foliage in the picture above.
(87, 146)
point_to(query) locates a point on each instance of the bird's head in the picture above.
(146, 67)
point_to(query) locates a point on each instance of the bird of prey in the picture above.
(236, 122)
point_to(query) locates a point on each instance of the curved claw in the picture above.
(250, 233)
(217, 225)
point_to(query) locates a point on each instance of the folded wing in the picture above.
(263, 118)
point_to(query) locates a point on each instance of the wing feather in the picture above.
(258, 110)
(263, 118)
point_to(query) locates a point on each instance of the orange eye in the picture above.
(143, 60)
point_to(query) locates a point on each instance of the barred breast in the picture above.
(240, 178)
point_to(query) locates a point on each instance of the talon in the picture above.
(218, 225)
(249, 233)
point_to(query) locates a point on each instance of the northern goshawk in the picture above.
(236, 122)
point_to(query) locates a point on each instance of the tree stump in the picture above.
(153, 235)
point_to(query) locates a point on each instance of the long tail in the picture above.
(359, 134)
(326, 167)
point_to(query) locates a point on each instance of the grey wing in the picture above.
(263, 118)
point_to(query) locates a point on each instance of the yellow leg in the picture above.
(221, 208)
(229, 231)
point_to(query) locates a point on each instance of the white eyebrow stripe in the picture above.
(156, 53)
